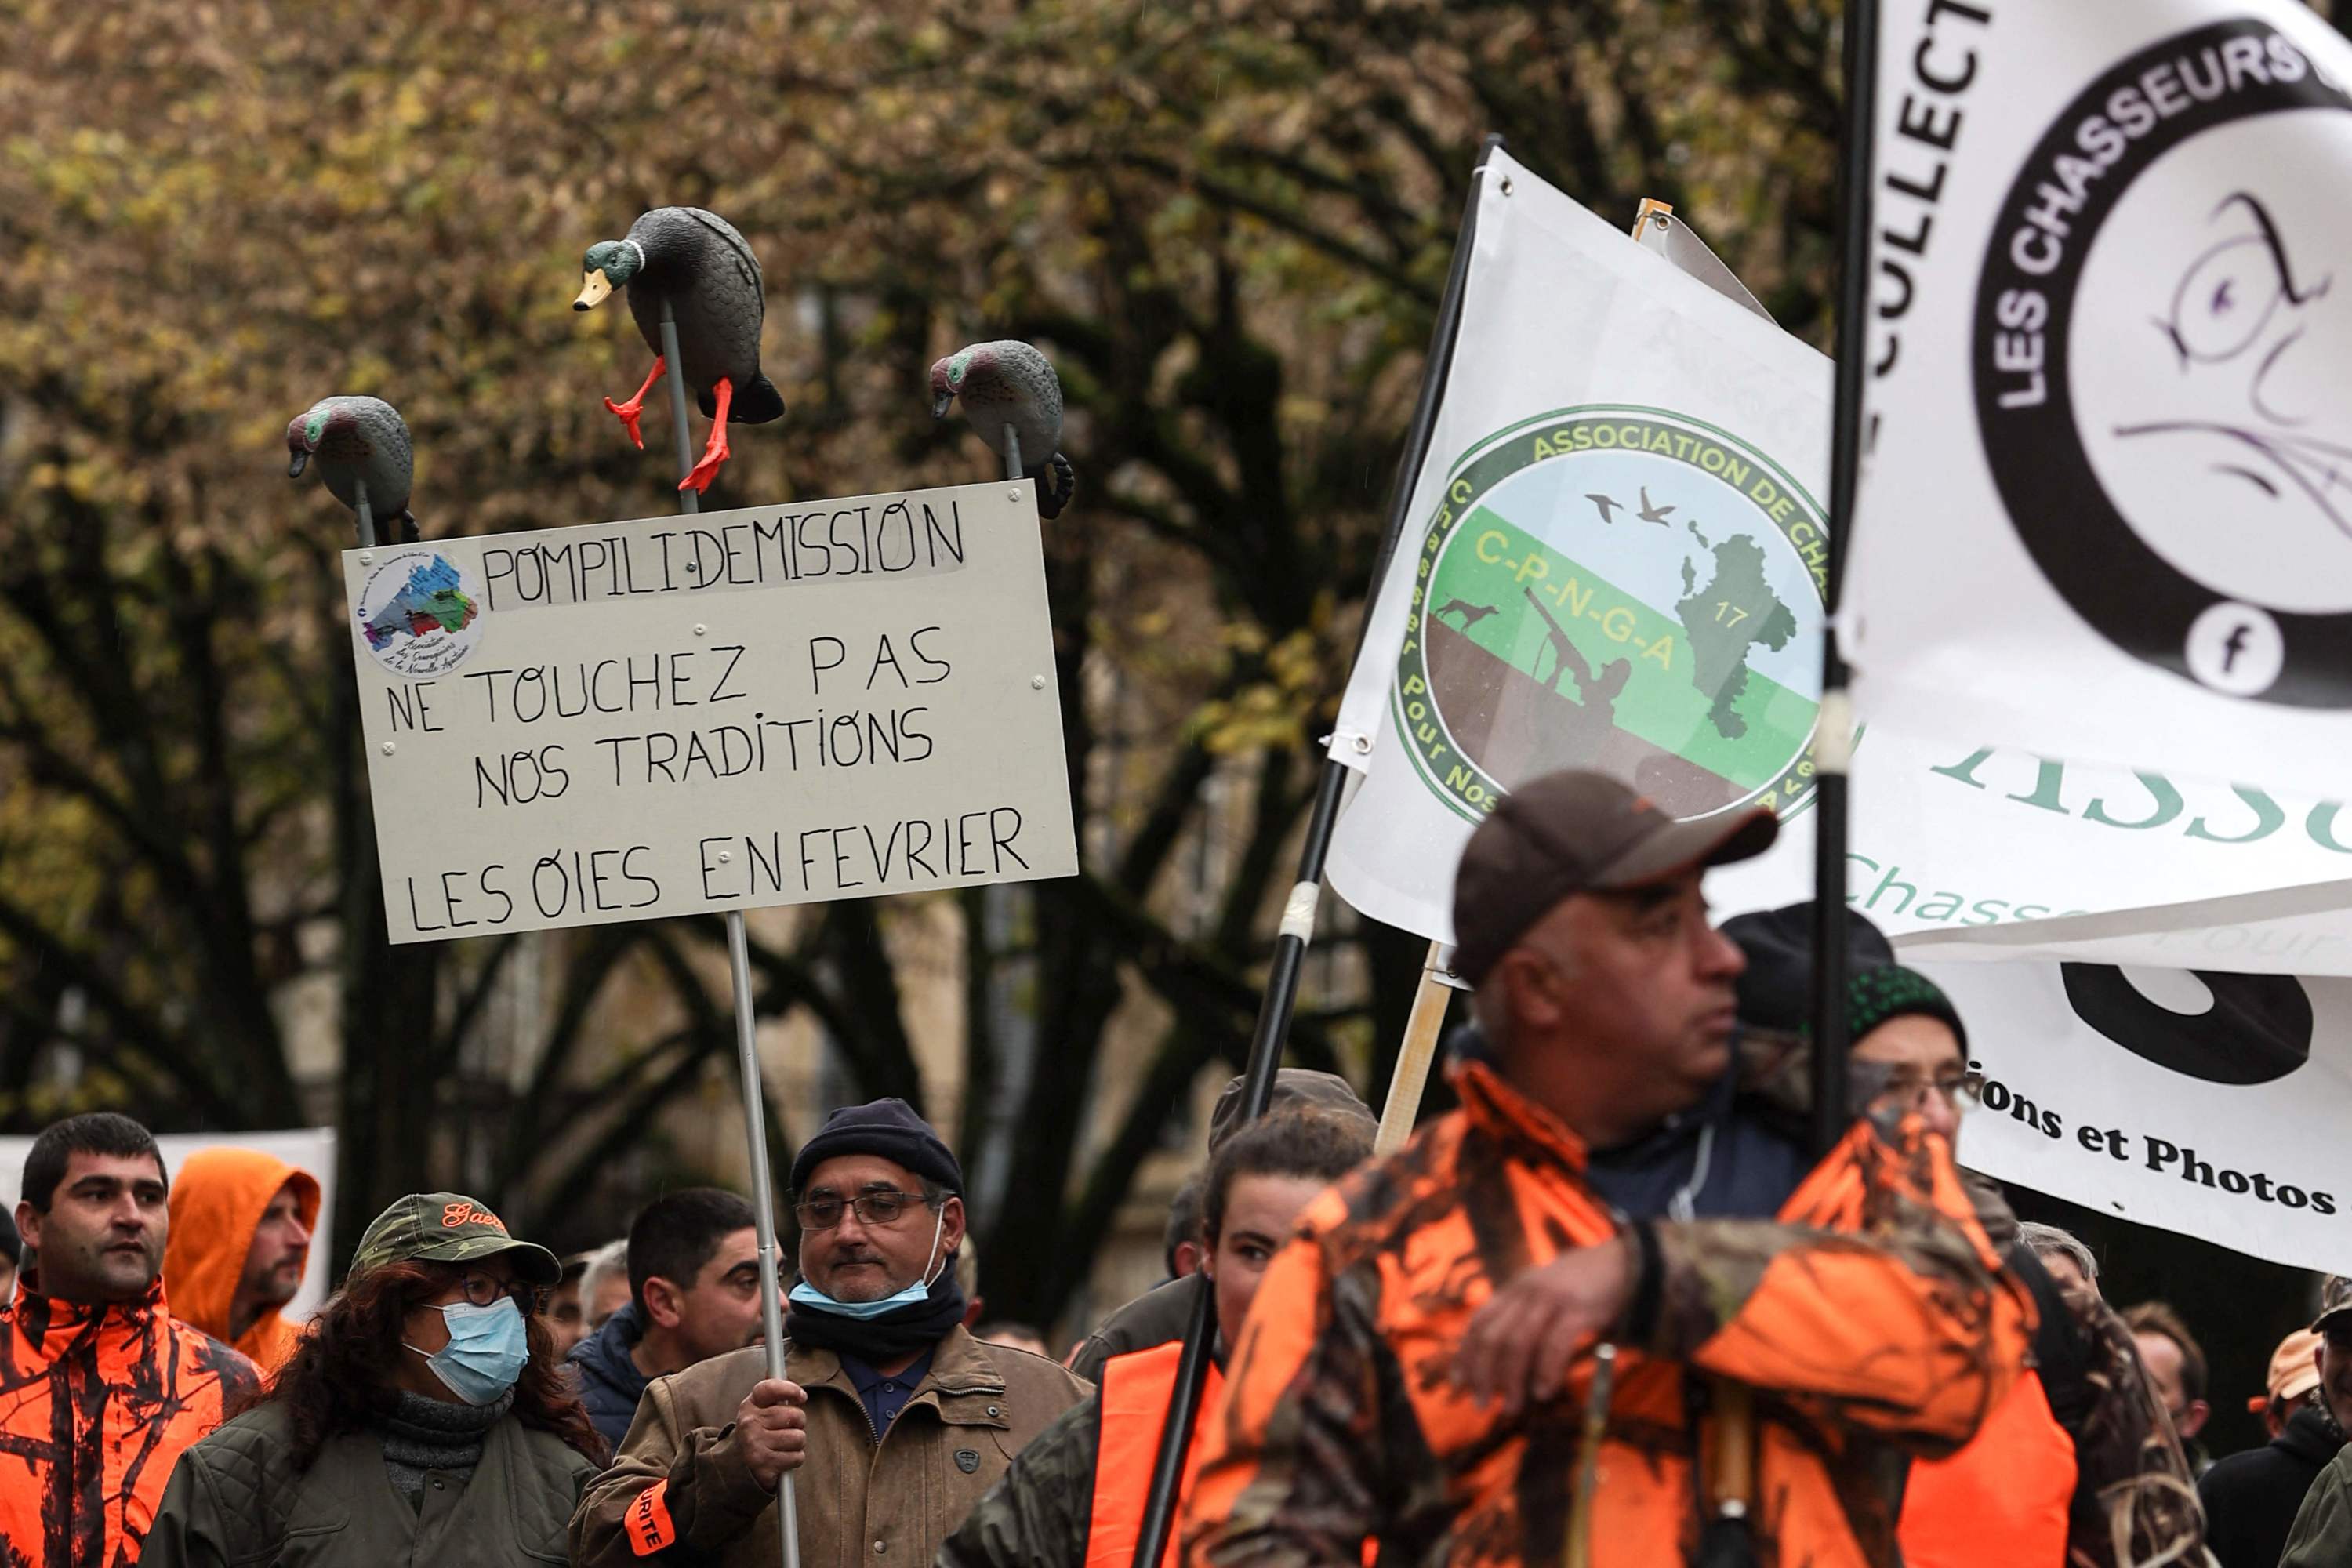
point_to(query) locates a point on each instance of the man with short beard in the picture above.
(241, 1228)
(101, 1390)
(897, 1419)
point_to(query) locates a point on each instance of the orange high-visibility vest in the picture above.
(1136, 1389)
(1999, 1503)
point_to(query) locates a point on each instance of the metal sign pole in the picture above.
(366, 513)
(747, 1053)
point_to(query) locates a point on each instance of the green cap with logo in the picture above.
(449, 1227)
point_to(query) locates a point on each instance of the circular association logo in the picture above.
(1622, 589)
(2159, 337)
(420, 614)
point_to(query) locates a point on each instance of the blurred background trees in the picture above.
(1228, 223)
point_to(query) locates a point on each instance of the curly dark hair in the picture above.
(340, 1376)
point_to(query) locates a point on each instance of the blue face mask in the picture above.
(487, 1349)
(917, 1292)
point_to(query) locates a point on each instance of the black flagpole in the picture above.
(1833, 743)
(1298, 913)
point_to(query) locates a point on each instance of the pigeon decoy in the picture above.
(696, 261)
(1009, 383)
(362, 439)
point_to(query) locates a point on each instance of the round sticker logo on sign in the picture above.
(420, 614)
(1623, 589)
(2156, 329)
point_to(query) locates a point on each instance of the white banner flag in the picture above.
(1613, 557)
(2108, 508)
(1967, 851)
(2210, 1104)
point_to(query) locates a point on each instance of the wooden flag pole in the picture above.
(1298, 912)
(1422, 1030)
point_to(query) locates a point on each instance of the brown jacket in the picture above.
(678, 1481)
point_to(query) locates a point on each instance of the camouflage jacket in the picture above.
(1869, 1319)
(97, 1404)
(2136, 1502)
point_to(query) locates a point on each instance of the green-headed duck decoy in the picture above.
(705, 269)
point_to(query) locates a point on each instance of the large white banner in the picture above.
(2211, 1104)
(1614, 556)
(1968, 851)
(776, 705)
(2108, 510)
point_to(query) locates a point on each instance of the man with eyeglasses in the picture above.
(1611, 1311)
(2077, 1463)
(895, 1416)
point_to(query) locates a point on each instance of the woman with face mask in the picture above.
(422, 1417)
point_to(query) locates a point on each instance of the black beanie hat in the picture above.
(1890, 991)
(1776, 989)
(887, 1128)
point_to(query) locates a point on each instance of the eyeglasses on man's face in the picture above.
(1908, 1088)
(875, 1206)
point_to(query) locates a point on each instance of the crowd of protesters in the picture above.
(1613, 1310)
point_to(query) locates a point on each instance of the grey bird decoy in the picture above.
(1009, 383)
(696, 261)
(357, 440)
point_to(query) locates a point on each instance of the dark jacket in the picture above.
(1158, 1315)
(2251, 1498)
(610, 1383)
(236, 1499)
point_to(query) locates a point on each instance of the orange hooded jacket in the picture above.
(218, 1196)
(1871, 1318)
(96, 1406)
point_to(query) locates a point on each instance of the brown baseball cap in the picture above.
(1295, 1088)
(1578, 832)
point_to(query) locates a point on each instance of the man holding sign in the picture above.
(1421, 1364)
(897, 1416)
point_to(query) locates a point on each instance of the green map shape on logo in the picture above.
(1626, 635)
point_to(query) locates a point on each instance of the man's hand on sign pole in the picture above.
(1519, 1344)
(771, 1429)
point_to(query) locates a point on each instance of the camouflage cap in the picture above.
(2334, 1303)
(449, 1227)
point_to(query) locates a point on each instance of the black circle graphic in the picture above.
(2076, 533)
(2258, 1030)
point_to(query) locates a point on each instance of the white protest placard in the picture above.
(682, 715)
(2210, 1104)
(2106, 512)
